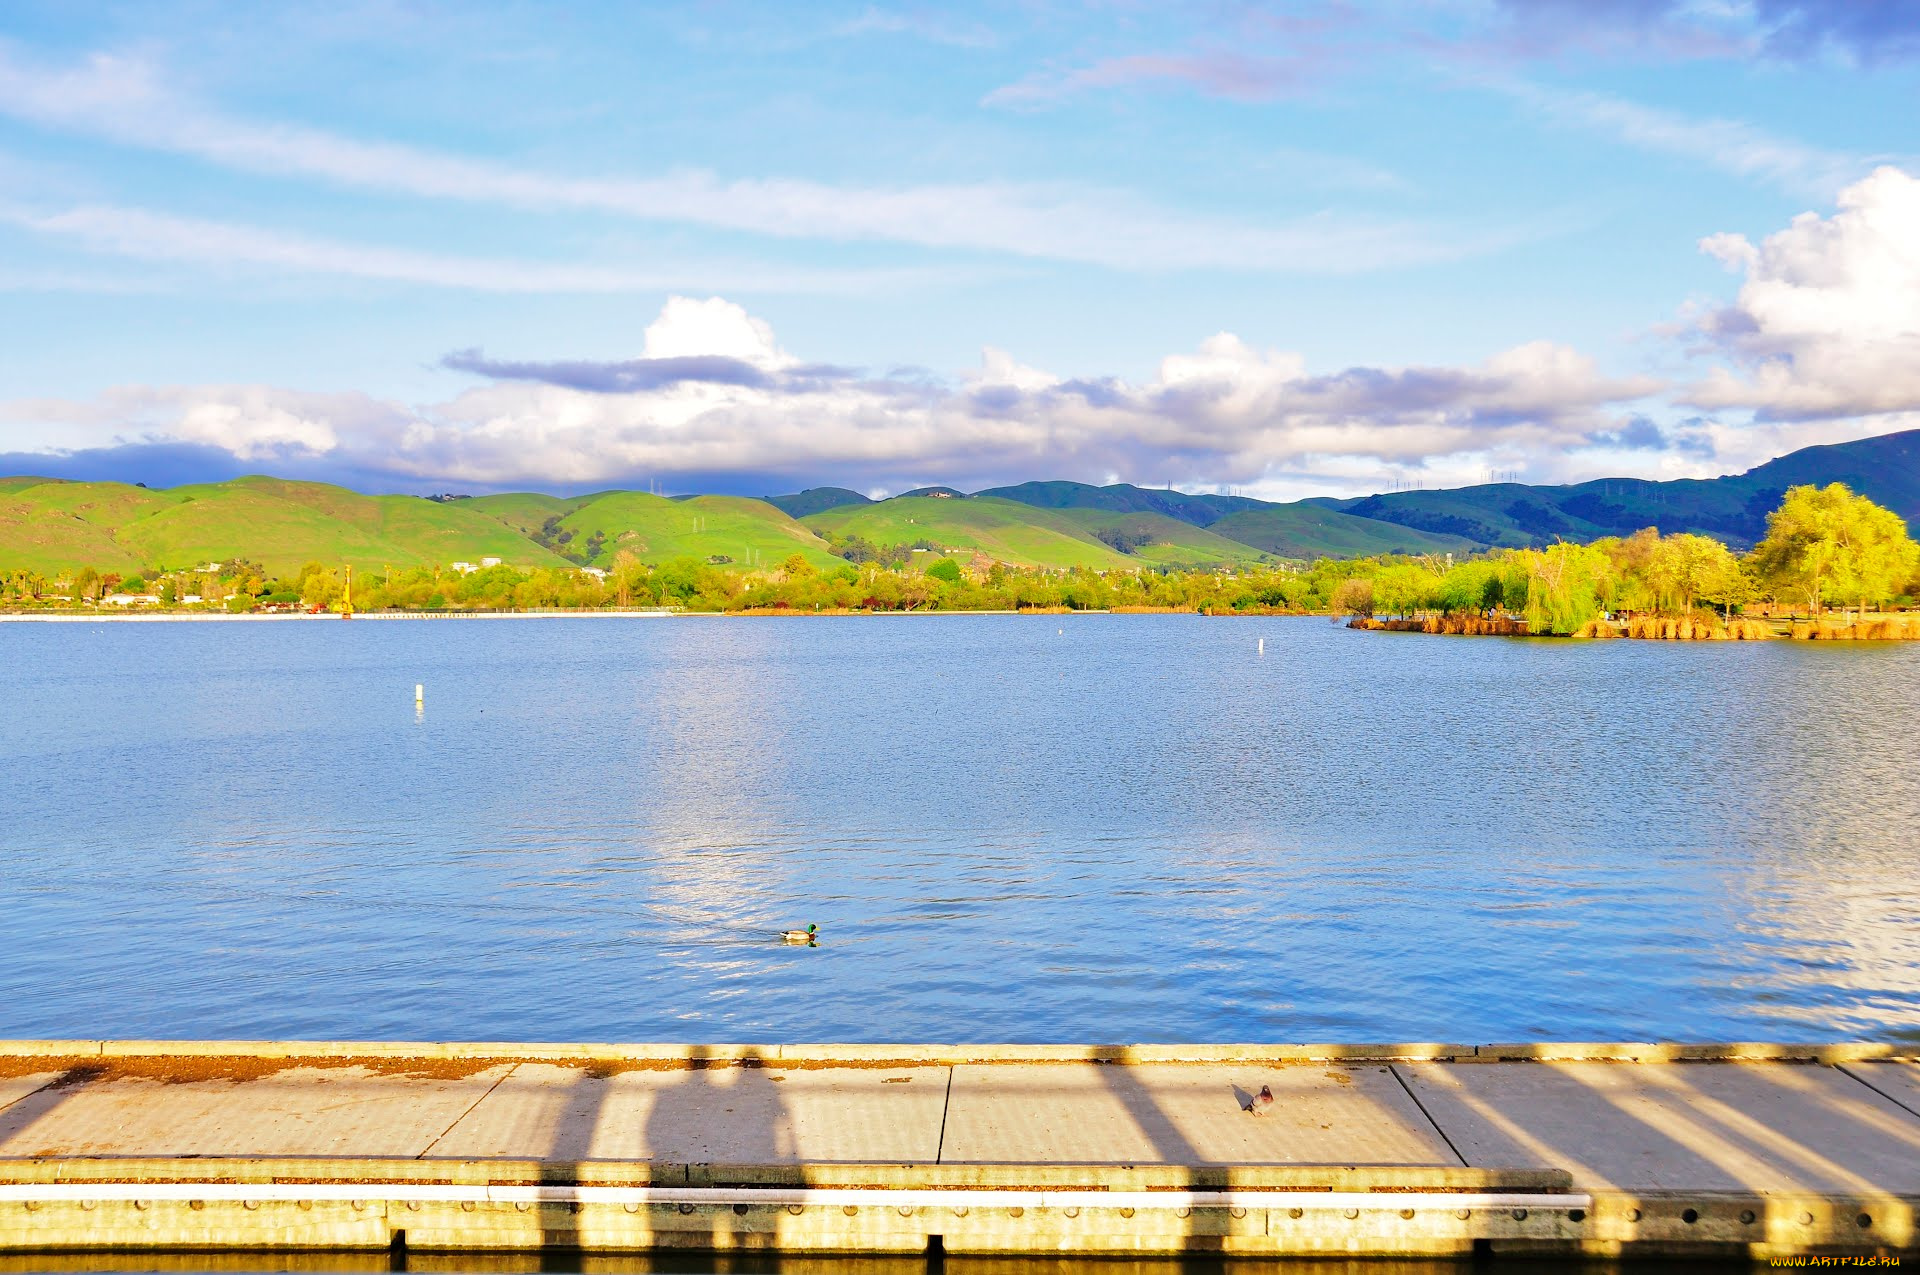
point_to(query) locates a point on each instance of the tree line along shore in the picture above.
(1825, 547)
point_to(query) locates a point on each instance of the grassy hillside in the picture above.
(1308, 530)
(1155, 540)
(816, 500)
(1003, 530)
(523, 511)
(52, 527)
(1733, 508)
(656, 529)
(20, 482)
(1201, 510)
(47, 527)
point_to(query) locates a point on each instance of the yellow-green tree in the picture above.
(1402, 588)
(1567, 585)
(1826, 543)
(320, 588)
(1685, 569)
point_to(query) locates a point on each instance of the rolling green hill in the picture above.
(55, 526)
(655, 529)
(1003, 530)
(1733, 508)
(1155, 540)
(816, 500)
(524, 511)
(1202, 510)
(1308, 530)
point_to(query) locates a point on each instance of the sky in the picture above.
(1321, 248)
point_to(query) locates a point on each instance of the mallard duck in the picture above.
(801, 936)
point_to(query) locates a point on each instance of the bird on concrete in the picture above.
(1258, 1104)
(807, 935)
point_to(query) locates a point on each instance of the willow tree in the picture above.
(1826, 543)
(1567, 585)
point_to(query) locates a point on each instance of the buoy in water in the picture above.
(1262, 648)
(419, 693)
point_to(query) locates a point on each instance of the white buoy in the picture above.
(1263, 646)
(419, 693)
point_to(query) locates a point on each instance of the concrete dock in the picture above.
(1753, 1150)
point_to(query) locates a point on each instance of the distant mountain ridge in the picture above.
(1734, 508)
(1124, 498)
(54, 525)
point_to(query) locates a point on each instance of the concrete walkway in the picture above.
(1645, 1142)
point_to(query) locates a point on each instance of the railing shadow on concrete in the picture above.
(1169, 1144)
(1672, 1163)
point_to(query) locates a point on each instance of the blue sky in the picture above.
(1283, 249)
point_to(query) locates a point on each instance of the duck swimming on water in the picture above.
(807, 935)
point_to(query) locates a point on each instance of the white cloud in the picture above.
(1730, 146)
(688, 328)
(157, 237)
(251, 422)
(1227, 413)
(1827, 321)
(126, 101)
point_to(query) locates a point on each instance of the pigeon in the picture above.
(1258, 1104)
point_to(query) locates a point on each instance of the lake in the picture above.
(1008, 828)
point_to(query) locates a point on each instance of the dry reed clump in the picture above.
(1456, 624)
(1484, 625)
(1695, 628)
(1899, 629)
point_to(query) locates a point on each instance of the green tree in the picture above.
(320, 588)
(1685, 568)
(1827, 543)
(1404, 588)
(944, 569)
(1567, 585)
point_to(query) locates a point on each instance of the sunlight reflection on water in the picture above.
(1135, 829)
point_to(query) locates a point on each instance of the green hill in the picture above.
(816, 500)
(1156, 540)
(1733, 508)
(1307, 530)
(1003, 530)
(55, 526)
(1202, 510)
(20, 482)
(655, 529)
(524, 511)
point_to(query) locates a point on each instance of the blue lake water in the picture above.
(1009, 828)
